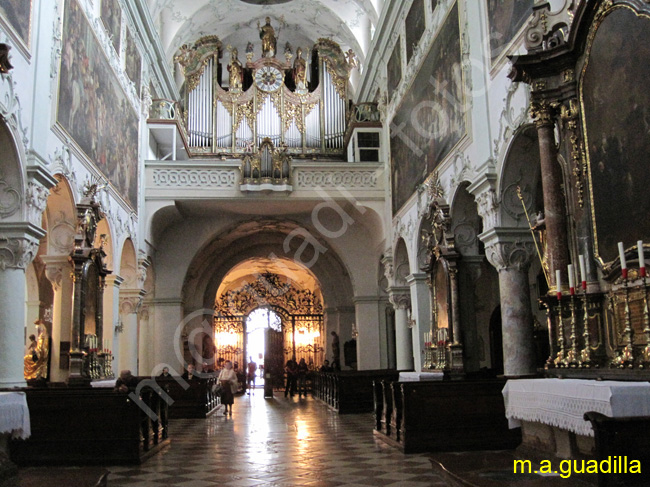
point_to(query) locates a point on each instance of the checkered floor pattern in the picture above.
(277, 443)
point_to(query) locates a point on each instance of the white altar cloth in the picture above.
(103, 384)
(14, 415)
(420, 376)
(563, 402)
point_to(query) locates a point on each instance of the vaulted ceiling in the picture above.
(299, 22)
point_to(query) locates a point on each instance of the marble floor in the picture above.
(277, 443)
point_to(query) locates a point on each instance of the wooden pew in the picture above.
(617, 438)
(445, 416)
(86, 426)
(198, 400)
(350, 391)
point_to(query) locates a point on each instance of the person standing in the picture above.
(229, 385)
(303, 370)
(250, 375)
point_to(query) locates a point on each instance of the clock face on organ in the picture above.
(268, 78)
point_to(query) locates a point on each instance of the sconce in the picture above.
(119, 326)
(410, 321)
(355, 332)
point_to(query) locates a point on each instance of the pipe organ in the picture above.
(264, 100)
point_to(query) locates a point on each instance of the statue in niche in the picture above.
(236, 71)
(269, 41)
(36, 358)
(300, 72)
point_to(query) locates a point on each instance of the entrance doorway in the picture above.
(257, 324)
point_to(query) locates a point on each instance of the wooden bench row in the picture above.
(433, 416)
(349, 391)
(199, 400)
(92, 427)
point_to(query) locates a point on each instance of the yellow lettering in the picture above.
(575, 466)
(635, 466)
(608, 463)
(545, 466)
(565, 468)
(524, 464)
(592, 466)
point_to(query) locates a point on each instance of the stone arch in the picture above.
(12, 179)
(402, 265)
(60, 218)
(129, 302)
(478, 281)
(520, 167)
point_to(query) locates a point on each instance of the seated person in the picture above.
(190, 374)
(326, 367)
(126, 382)
(165, 373)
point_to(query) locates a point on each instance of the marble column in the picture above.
(112, 316)
(552, 182)
(130, 302)
(145, 339)
(421, 313)
(369, 341)
(18, 245)
(510, 251)
(59, 272)
(400, 298)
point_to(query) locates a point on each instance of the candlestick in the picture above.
(583, 271)
(558, 283)
(621, 253)
(639, 245)
(572, 279)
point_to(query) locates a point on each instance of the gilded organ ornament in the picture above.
(268, 78)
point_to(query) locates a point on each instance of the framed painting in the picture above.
(506, 18)
(414, 27)
(616, 121)
(17, 16)
(394, 69)
(430, 120)
(93, 108)
(111, 15)
(133, 61)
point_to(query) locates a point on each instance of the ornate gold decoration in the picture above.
(569, 114)
(543, 112)
(194, 59)
(336, 64)
(268, 290)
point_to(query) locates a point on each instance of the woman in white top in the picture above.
(229, 385)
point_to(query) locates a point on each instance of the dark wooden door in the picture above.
(273, 361)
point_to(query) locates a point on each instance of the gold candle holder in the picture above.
(571, 359)
(645, 355)
(626, 357)
(561, 355)
(585, 355)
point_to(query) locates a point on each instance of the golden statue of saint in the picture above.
(236, 72)
(36, 357)
(300, 72)
(269, 41)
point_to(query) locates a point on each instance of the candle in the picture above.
(621, 253)
(583, 272)
(639, 245)
(558, 284)
(572, 279)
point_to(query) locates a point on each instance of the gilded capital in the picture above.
(544, 112)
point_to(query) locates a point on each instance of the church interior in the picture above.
(324, 242)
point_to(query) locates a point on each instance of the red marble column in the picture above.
(554, 203)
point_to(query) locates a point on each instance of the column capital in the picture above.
(544, 112)
(113, 280)
(387, 262)
(57, 267)
(508, 248)
(417, 278)
(19, 244)
(400, 297)
(131, 300)
(484, 192)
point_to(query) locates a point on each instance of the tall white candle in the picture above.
(583, 268)
(639, 245)
(572, 279)
(621, 253)
(558, 281)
